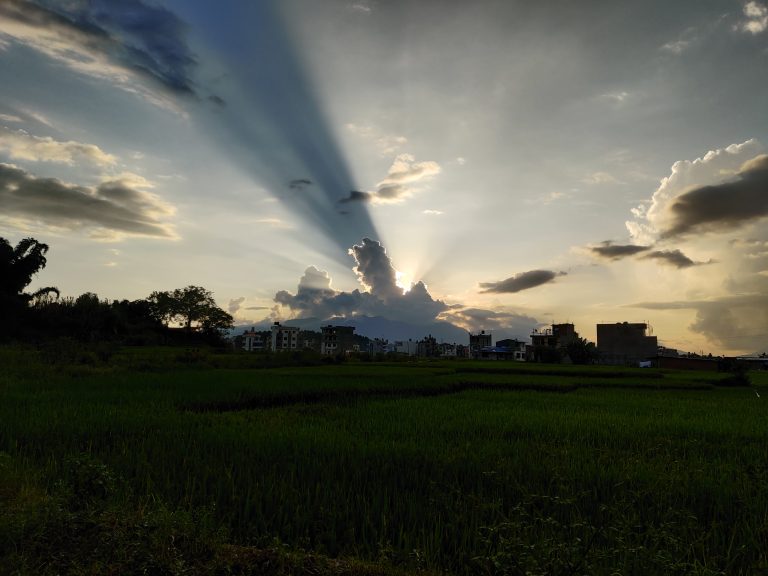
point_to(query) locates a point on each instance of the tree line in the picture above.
(183, 315)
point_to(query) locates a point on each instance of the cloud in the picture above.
(111, 210)
(235, 304)
(20, 145)
(757, 18)
(380, 297)
(299, 184)
(511, 323)
(674, 258)
(611, 251)
(374, 269)
(401, 182)
(386, 144)
(738, 322)
(433, 212)
(723, 206)
(10, 118)
(357, 196)
(677, 47)
(522, 281)
(117, 41)
(601, 178)
(687, 199)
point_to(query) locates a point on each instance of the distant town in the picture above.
(618, 344)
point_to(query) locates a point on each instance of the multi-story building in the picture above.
(548, 344)
(625, 343)
(255, 341)
(337, 340)
(477, 342)
(284, 338)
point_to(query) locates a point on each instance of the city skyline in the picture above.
(497, 166)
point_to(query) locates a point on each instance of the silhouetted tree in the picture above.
(17, 267)
(582, 351)
(193, 307)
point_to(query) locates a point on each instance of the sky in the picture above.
(408, 167)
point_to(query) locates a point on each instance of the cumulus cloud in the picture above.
(235, 304)
(118, 41)
(522, 281)
(403, 179)
(689, 198)
(110, 210)
(723, 206)
(20, 145)
(611, 251)
(316, 298)
(756, 18)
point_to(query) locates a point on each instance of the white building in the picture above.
(284, 337)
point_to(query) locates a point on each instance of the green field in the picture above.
(183, 463)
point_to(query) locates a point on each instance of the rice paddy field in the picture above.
(151, 463)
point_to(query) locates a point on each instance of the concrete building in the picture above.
(625, 343)
(409, 347)
(255, 341)
(548, 344)
(515, 348)
(337, 340)
(477, 342)
(284, 338)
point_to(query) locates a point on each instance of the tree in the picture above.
(193, 307)
(582, 351)
(18, 265)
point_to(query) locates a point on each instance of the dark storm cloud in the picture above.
(522, 281)
(316, 298)
(723, 206)
(611, 251)
(673, 257)
(145, 38)
(112, 206)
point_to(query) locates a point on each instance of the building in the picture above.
(337, 340)
(477, 342)
(427, 347)
(255, 341)
(511, 349)
(409, 347)
(549, 344)
(625, 343)
(284, 338)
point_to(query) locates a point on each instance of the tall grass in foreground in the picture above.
(580, 471)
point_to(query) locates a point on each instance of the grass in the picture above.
(360, 468)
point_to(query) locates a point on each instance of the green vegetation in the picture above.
(156, 461)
